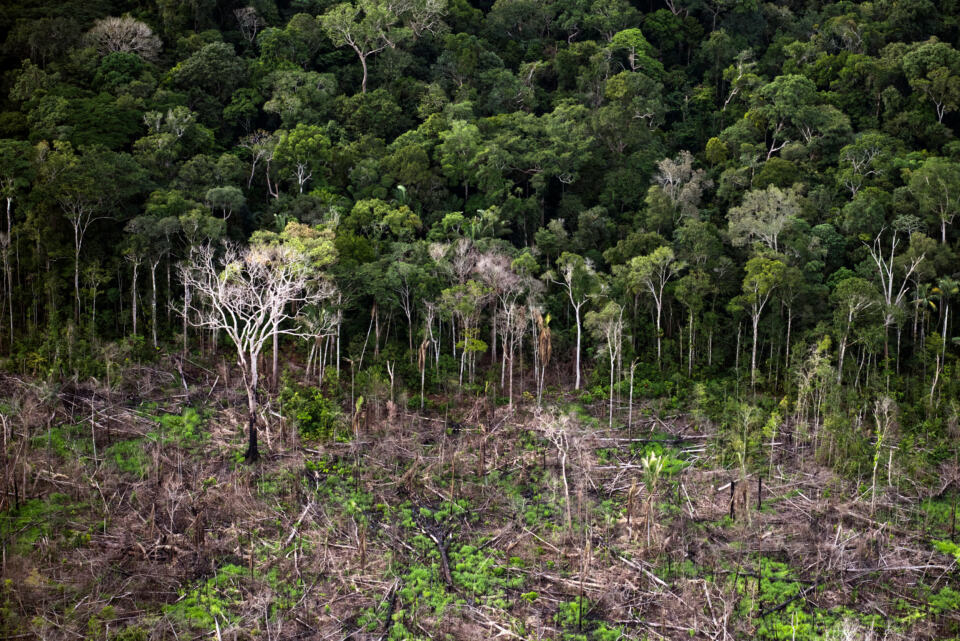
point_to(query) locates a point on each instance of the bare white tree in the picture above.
(558, 431)
(250, 294)
(607, 325)
(81, 213)
(512, 321)
(884, 416)
(250, 22)
(579, 280)
(424, 16)
(493, 269)
(126, 35)
(893, 286)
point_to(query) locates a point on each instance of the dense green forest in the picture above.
(470, 313)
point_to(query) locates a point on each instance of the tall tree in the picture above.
(125, 35)
(250, 294)
(366, 26)
(88, 187)
(607, 325)
(302, 152)
(763, 215)
(933, 69)
(853, 297)
(936, 186)
(894, 277)
(649, 275)
(315, 245)
(15, 175)
(763, 276)
(680, 185)
(458, 150)
(693, 290)
(153, 235)
(579, 281)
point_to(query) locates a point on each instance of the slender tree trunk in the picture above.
(309, 366)
(936, 377)
(323, 350)
(76, 276)
(153, 303)
(612, 363)
(493, 335)
(463, 360)
(680, 352)
(897, 355)
(133, 298)
(566, 488)
(512, 353)
(753, 353)
(576, 311)
(710, 347)
(406, 311)
(276, 361)
(659, 309)
(736, 358)
(376, 330)
(916, 315)
(169, 295)
(186, 306)
(122, 319)
(886, 342)
(363, 63)
(843, 351)
(7, 271)
(786, 365)
(946, 315)
(503, 354)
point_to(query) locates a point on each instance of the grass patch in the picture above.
(66, 441)
(129, 457)
(38, 519)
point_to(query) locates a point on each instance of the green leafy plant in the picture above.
(315, 416)
(129, 457)
(210, 600)
(182, 429)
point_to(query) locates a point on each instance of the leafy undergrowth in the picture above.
(532, 525)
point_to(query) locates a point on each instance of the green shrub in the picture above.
(479, 573)
(180, 429)
(570, 614)
(315, 416)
